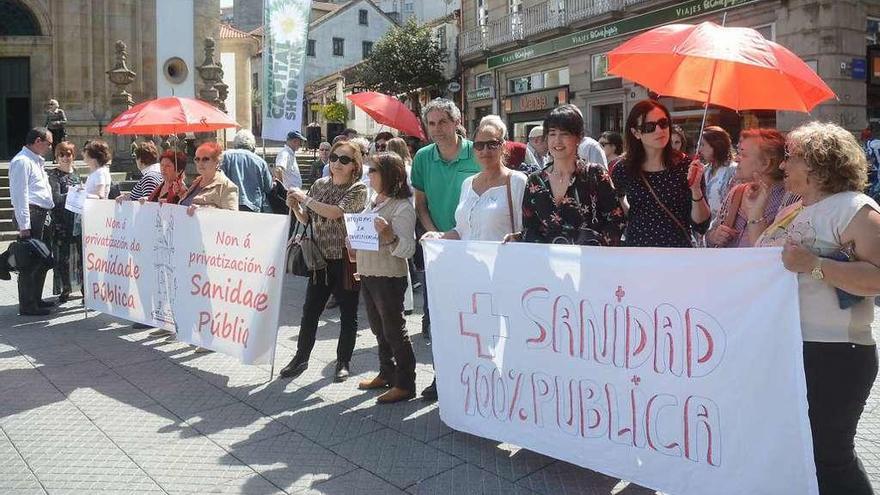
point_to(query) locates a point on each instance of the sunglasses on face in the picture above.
(380, 147)
(202, 159)
(372, 170)
(492, 145)
(649, 127)
(344, 160)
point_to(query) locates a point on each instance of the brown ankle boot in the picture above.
(395, 395)
(373, 384)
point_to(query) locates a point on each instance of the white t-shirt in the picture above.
(486, 217)
(100, 177)
(290, 175)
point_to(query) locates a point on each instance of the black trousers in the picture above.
(839, 379)
(32, 279)
(383, 300)
(321, 285)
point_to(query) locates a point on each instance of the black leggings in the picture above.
(321, 285)
(839, 379)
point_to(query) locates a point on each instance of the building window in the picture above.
(600, 67)
(768, 31)
(339, 47)
(538, 80)
(362, 17)
(519, 85)
(483, 80)
(367, 48)
(441, 37)
(310, 48)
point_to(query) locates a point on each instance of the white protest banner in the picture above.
(361, 231)
(677, 369)
(214, 277)
(75, 200)
(286, 25)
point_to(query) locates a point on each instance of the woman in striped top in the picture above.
(147, 159)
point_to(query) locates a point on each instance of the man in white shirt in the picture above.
(31, 201)
(537, 147)
(285, 162)
(591, 151)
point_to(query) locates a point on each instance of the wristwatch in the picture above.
(817, 272)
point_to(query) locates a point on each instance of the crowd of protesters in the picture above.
(804, 192)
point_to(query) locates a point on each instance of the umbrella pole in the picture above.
(708, 97)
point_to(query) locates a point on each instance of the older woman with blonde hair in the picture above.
(322, 210)
(211, 189)
(831, 239)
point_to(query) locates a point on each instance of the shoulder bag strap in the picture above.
(510, 205)
(686, 232)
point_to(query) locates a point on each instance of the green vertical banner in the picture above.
(286, 31)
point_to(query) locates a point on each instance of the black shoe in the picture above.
(35, 312)
(141, 326)
(407, 312)
(63, 297)
(342, 371)
(430, 393)
(295, 367)
(46, 304)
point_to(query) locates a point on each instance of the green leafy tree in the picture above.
(404, 60)
(335, 112)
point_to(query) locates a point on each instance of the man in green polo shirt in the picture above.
(437, 173)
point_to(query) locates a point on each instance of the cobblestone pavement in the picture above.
(90, 405)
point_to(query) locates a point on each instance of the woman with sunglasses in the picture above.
(322, 210)
(490, 203)
(172, 165)
(384, 278)
(570, 201)
(612, 144)
(65, 229)
(211, 189)
(663, 191)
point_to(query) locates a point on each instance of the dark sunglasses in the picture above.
(649, 127)
(380, 147)
(492, 145)
(372, 170)
(202, 159)
(345, 160)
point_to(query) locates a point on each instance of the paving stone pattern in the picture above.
(90, 405)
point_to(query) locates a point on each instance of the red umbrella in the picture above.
(171, 115)
(388, 110)
(732, 67)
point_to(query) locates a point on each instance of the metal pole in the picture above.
(709, 96)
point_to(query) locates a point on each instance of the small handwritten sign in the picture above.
(362, 231)
(76, 200)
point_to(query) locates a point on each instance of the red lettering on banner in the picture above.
(230, 292)
(689, 428)
(627, 336)
(112, 294)
(220, 325)
(113, 266)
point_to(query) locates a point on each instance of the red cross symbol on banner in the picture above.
(482, 324)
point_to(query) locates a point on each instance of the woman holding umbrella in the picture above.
(663, 193)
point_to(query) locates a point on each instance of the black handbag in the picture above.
(303, 255)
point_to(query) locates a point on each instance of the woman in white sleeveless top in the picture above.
(832, 222)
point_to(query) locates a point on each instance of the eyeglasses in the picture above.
(492, 145)
(649, 127)
(380, 147)
(372, 170)
(345, 160)
(202, 159)
(604, 143)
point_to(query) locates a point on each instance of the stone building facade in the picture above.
(62, 49)
(521, 58)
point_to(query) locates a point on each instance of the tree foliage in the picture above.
(335, 112)
(405, 59)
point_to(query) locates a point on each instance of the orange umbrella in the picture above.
(171, 115)
(732, 67)
(388, 110)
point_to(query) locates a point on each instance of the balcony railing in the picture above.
(536, 19)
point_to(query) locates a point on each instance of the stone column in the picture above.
(121, 76)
